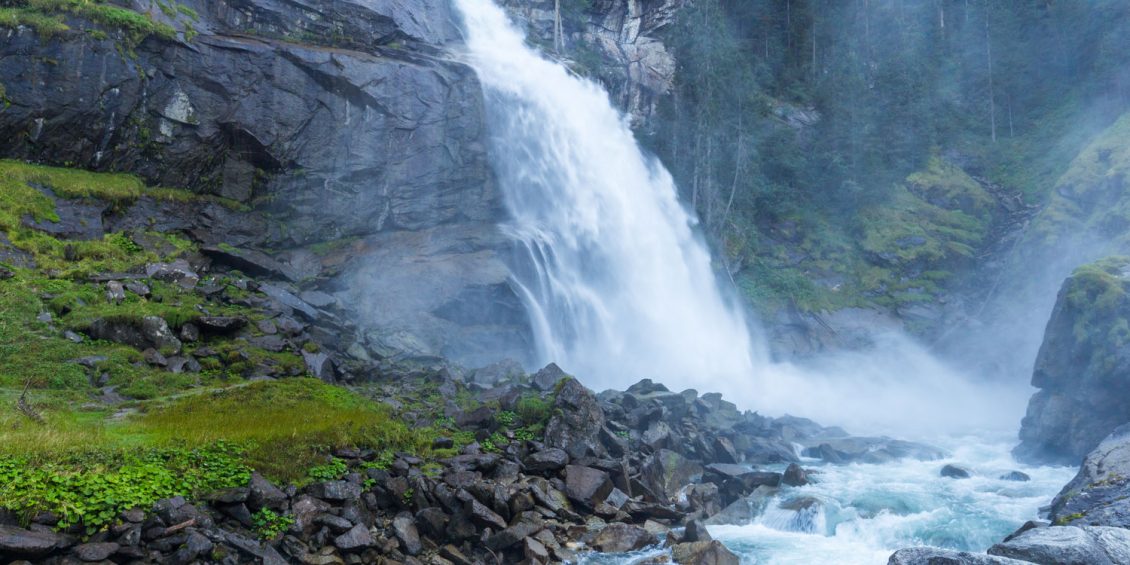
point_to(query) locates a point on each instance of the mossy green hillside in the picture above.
(1090, 198)
(47, 17)
(1096, 295)
(897, 252)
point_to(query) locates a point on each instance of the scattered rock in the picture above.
(586, 486)
(1015, 476)
(794, 476)
(620, 538)
(577, 421)
(546, 461)
(355, 539)
(18, 542)
(703, 553)
(404, 527)
(935, 556)
(1068, 545)
(956, 472)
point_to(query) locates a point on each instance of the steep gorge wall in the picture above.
(348, 130)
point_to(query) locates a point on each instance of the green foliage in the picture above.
(533, 409)
(331, 471)
(45, 16)
(505, 418)
(90, 489)
(288, 425)
(269, 524)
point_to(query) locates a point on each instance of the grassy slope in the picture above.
(179, 433)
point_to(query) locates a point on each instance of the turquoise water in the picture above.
(864, 512)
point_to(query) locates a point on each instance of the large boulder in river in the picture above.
(1083, 367)
(1100, 492)
(937, 556)
(1068, 545)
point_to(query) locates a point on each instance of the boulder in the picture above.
(178, 272)
(149, 332)
(546, 461)
(586, 486)
(703, 553)
(1016, 476)
(18, 542)
(666, 472)
(956, 472)
(264, 494)
(869, 450)
(620, 538)
(355, 539)
(936, 556)
(404, 528)
(1068, 545)
(577, 420)
(1080, 368)
(794, 476)
(547, 377)
(1100, 492)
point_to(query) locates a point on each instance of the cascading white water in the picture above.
(617, 285)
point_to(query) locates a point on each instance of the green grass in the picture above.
(46, 18)
(289, 425)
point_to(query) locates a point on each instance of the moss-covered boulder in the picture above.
(1083, 367)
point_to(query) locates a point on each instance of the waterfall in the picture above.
(616, 283)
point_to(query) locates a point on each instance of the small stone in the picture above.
(73, 337)
(139, 288)
(268, 327)
(115, 292)
(44, 317)
(189, 332)
(154, 357)
(546, 461)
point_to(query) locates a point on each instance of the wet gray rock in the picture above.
(936, 556)
(586, 486)
(666, 473)
(356, 538)
(546, 461)
(1100, 492)
(1068, 545)
(577, 421)
(547, 377)
(869, 450)
(404, 528)
(794, 476)
(18, 542)
(1079, 369)
(619, 538)
(264, 494)
(221, 325)
(1017, 476)
(152, 332)
(178, 272)
(336, 491)
(703, 553)
(95, 551)
(955, 472)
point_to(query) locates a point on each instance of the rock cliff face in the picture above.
(341, 125)
(617, 41)
(355, 141)
(1081, 367)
